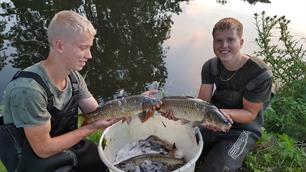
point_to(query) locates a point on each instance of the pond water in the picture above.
(139, 43)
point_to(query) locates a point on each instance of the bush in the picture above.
(278, 153)
(282, 146)
(287, 113)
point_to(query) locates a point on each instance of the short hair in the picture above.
(227, 24)
(65, 24)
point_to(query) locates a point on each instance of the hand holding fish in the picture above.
(152, 93)
(102, 124)
(215, 128)
(124, 108)
(196, 111)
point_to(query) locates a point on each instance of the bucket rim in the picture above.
(187, 165)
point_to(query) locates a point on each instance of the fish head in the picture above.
(218, 118)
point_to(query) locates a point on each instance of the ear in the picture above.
(58, 45)
(241, 42)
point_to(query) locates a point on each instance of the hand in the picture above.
(227, 114)
(102, 124)
(212, 127)
(150, 93)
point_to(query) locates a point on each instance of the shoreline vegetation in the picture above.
(282, 148)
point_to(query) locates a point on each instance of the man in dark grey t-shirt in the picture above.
(240, 86)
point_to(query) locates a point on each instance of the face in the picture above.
(76, 51)
(227, 44)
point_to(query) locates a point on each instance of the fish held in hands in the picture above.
(124, 108)
(195, 110)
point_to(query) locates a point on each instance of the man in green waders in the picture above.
(41, 105)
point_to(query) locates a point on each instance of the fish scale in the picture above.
(123, 108)
(195, 110)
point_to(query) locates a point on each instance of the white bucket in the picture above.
(187, 139)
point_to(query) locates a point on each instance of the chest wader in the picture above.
(62, 121)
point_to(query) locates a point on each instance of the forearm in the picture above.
(240, 115)
(47, 146)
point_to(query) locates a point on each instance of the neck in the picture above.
(56, 73)
(236, 63)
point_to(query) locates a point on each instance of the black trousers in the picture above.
(10, 146)
(224, 152)
(82, 157)
(16, 153)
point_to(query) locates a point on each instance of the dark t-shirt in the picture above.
(231, 87)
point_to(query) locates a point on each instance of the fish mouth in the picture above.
(220, 115)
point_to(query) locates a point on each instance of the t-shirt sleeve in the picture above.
(261, 93)
(206, 74)
(83, 89)
(28, 107)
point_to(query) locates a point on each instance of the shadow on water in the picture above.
(127, 51)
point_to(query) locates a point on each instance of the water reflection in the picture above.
(127, 51)
(130, 48)
(249, 1)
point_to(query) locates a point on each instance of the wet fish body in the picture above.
(195, 110)
(123, 108)
(167, 160)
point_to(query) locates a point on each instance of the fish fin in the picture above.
(145, 115)
(174, 146)
(172, 151)
(184, 121)
(124, 120)
(142, 116)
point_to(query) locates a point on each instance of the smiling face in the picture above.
(70, 36)
(76, 51)
(227, 44)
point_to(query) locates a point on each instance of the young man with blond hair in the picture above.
(42, 101)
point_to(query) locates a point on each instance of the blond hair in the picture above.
(228, 24)
(65, 24)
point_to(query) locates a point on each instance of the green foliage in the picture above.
(287, 113)
(276, 153)
(2, 168)
(283, 148)
(95, 137)
(285, 55)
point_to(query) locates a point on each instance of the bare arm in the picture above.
(245, 115)
(88, 105)
(44, 145)
(206, 91)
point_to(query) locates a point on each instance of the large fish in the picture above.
(170, 162)
(195, 110)
(123, 108)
